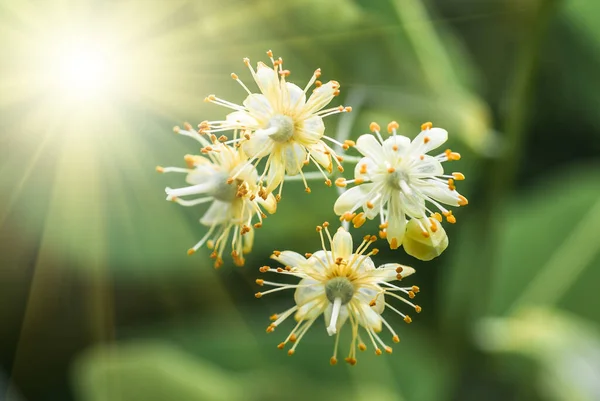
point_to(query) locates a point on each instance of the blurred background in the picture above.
(98, 299)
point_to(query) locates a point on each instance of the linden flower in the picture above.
(343, 286)
(402, 182)
(234, 203)
(281, 124)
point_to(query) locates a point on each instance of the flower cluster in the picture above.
(343, 285)
(397, 180)
(281, 128)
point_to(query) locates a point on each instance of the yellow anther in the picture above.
(191, 251)
(358, 181)
(458, 176)
(341, 182)
(370, 205)
(258, 294)
(426, 126)
(159, 169)
(333, 361)
(307, 190)
(388, 349)
(260, 281)
(291, 352)
(363, 169)
(418, 309)
(382, 234)
(399, 269)
(374, 127)
(411, 294)
(328, 182)
(407, 319)
(362, 347)
(391, 170)
(176, 129)
(415, 289)
(394, 243)
(274, 317)
(359, 220)
(392, 126)
(378, 351)
(396, 339)
(281, 345)
(270, 53)
(426, 139)
(234, 75)
(462, 201)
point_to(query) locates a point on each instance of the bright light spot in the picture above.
(83, 70)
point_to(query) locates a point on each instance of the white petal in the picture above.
(270, 204)
(342, 317)
(320, 259)
(342, 244)
(201, 174)
(259, 107)
(268, 81)
(428, 140)
(440, 192)
(317, 151)
(242, 119)
(396, 222)
(248, 241)
(259, 145)
(218, 213)
(366, 265)
(312, 309)
(366, 295)
(387, 272)
(413, 205)
(276, 172)
(296, 97)
(428, 167)
(294, 157)
(367, 317)
(289, 258)
(320, 97)
(370, 147)
(373, 169)
(310, 131)
(352, 199)
(401, 142)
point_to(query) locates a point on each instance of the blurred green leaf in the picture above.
(566, 347)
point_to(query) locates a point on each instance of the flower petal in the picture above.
(310, 130)
(320, 153)
(242, 119)
(342, 244)
(311, 310)
(289, 258)
(367, 316)
(270, 204)
(294, 155)
(352, 199)
(268, 81)
(396, 222)
(428, 167)
(428, 140)
(259, 145)
(259, 108)
(440, 192)
(320, 98)
(218, 213)
(370, 147)
(296, 99)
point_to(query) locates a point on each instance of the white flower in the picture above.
(280, 124)
(399, 181)
(343, 285)
(234, 203)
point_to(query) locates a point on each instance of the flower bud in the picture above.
(428, 244)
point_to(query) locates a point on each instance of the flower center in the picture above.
(399, 180)
(222, 190)
(339, 287)
(282, 127)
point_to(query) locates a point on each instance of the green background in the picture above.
(99, 301)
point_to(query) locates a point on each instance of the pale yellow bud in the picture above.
(425, 244)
